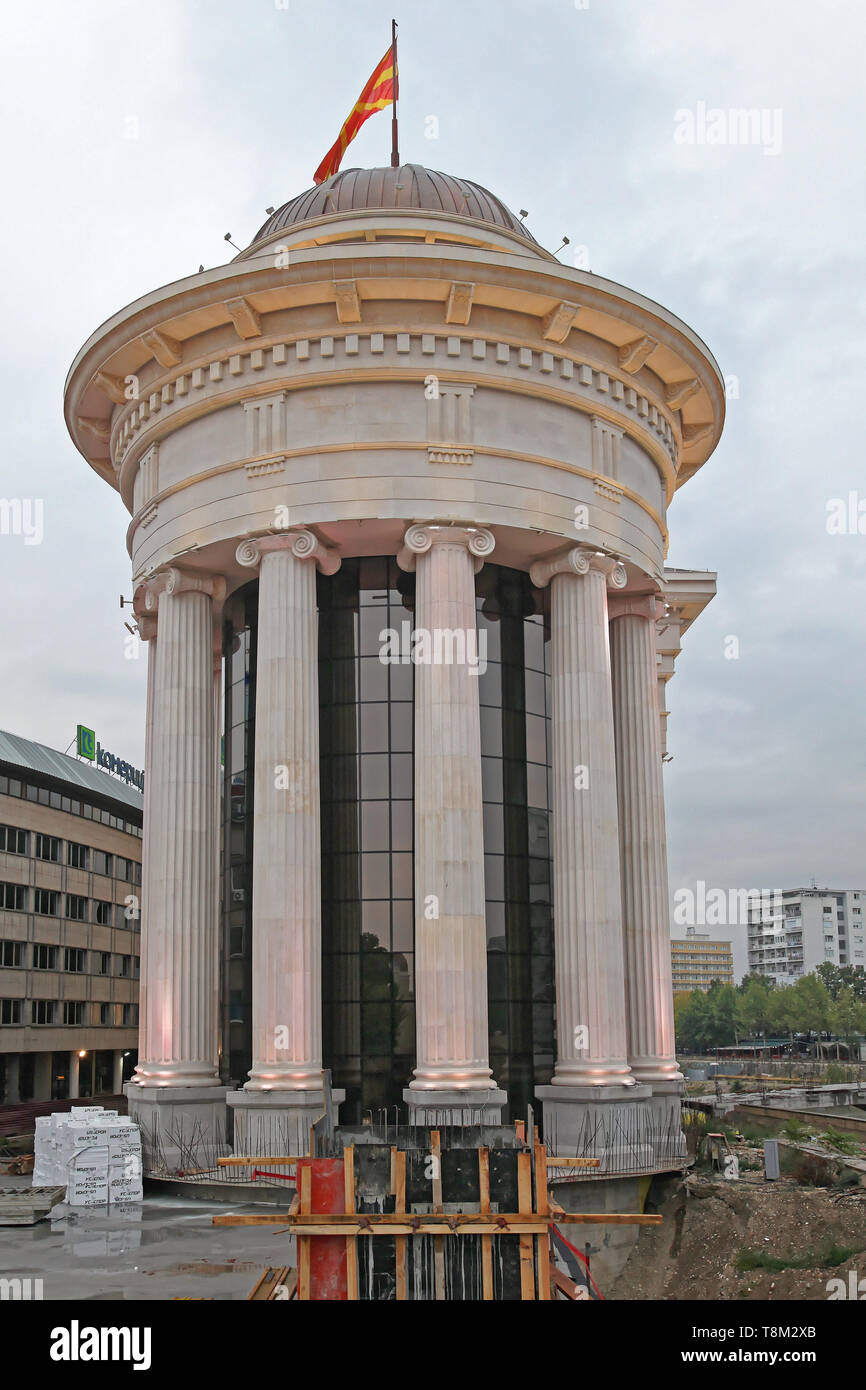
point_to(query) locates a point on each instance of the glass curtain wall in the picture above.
(366, 750)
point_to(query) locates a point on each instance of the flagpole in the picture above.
(395, 147)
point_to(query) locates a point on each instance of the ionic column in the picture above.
(590, 995)
(179, 978)
(649, 1000)
(287, 890)
(450, 933)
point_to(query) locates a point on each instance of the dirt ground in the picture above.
(708, 1222)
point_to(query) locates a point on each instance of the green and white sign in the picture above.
(86, 743)
(90, 748)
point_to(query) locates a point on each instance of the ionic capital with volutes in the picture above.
(420, 538)
(302, 544)
(635, 606)
(579, 560)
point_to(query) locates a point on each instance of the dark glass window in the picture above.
(514, 695)
(366, 742)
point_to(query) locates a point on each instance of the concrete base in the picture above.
(438, 1108)
(182, 1127)
(630, 1130)
(608, 1246)
(275, 1122)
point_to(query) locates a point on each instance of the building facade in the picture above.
(697, 962)
(70, 876)
(398, 484)
(801, 928)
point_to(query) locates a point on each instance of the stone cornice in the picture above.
(182, 311)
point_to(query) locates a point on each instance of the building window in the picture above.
(129, 1015)
(74, 960)
(11, 1010)
(103, 963)
(136, 967)
(103, 914)
(43, 1011)
(77, 856)
(44, 957)
(46, 902)
(73, 1011)
(11, 954)
(48, 847)
(106, 1011)
(76, 907)
(123, 966)
(102, 863)
(13, 897)
(12, 840)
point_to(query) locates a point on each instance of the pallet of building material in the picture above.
(24, 1206)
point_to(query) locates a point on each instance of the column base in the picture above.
(276, 1123)
(438, 1108)
(629, 1130)
(181, 1126)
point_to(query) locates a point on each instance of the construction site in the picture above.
(471, 1212)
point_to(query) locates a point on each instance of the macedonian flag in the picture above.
(379, 92)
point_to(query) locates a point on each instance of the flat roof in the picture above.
(36, 757)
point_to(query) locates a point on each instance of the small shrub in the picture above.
(796, 1130)
(842, 1143)
(834, 1074)
(827, 1257)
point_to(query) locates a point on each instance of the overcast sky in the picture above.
(134, 136)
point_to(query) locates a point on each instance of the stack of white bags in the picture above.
(95, 1153)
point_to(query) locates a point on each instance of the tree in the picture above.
(723, 1004)
(855, 977)
(848, 1017)
(754, 1008)
(785, 1012)
(830, 977)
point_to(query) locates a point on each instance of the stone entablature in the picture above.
(318, 360)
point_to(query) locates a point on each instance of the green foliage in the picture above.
(827, 1257)
(833, 1074)
(838, 1140)
(796, 1130)
(722, 1015)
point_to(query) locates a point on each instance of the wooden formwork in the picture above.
(452, 1223)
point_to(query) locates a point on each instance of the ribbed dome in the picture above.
(410, 186)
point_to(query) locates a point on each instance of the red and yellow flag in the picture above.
(378, 93)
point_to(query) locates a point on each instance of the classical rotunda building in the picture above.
(398, 483)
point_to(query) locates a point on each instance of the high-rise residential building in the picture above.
(799, 929)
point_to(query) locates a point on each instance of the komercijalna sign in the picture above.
(89, 747)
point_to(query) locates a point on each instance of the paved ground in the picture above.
(164, 1248)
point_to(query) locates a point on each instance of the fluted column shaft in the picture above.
(450, 931)
(649, 1000)
(590, 998)
(178, 1017)
(287, 888)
